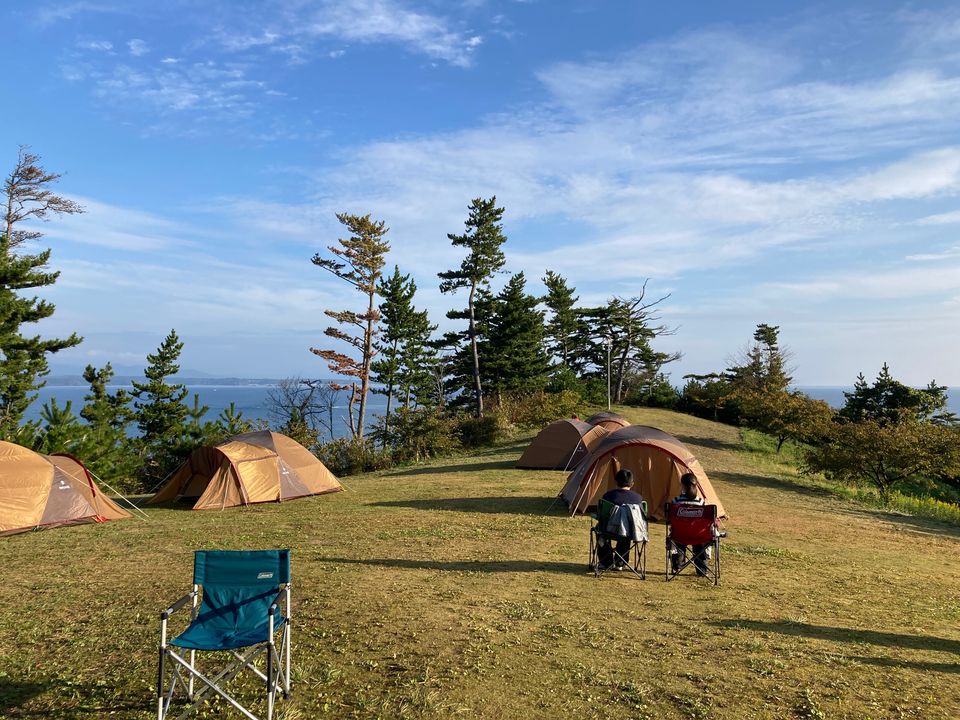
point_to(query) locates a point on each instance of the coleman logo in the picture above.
(690, 512)
(264, 576)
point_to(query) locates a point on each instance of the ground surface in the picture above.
(455, 590)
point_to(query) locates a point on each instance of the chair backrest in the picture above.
(691, 524)
(604, 510)
(239, 585)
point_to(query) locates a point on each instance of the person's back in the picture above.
(623, 496)
(620, 495)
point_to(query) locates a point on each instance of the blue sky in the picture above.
(760, 161)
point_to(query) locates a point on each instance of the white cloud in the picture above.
(96, 45)
(138, 47)
(948, 218)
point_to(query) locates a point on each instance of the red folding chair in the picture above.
(690, 526)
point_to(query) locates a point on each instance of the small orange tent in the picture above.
(255, 467)
(609, 420)
(41, 491)
(657, 461)
(561, 445)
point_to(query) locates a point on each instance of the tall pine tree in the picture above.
(562, 325)
(23, 357)
(483, 237)
(359, 261)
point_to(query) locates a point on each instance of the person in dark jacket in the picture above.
(690, 495)
(620, 495)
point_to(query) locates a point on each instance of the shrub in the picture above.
(349, 456)
(419, 434)
(478, 432)
(542, 408)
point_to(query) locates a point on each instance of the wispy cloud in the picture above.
(137, 47)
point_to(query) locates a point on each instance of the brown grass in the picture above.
(455, 590)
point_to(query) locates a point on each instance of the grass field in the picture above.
(460, 590)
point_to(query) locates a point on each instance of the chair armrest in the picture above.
(275, 603)
(177, 605)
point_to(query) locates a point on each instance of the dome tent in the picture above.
(608, 420)
(254, 467)
(657, 460)
(561, 445)
(42, 491)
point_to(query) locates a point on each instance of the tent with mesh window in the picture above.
(44, 491)
(254, 467)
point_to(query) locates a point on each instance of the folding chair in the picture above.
(245, 602)
(598, 534)
(691, 525)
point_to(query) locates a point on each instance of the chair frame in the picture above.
(712, 568)
(638, 548)
(184, 670)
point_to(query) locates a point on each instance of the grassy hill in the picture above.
(460, 590)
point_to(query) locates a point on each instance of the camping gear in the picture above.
(561, 445)
(607, 521)
(610, 421)
(245, 603)
(657, 461)
(43, 491)
(690, 525)
(251, 468)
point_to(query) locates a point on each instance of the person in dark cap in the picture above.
(622, 494)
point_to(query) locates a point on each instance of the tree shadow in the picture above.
(13, 694)
(507, 504)
(93, 700)
(464, 467)
(484, 566)
(920, 665)
(712, 443)
(754, 481)
(839, 634)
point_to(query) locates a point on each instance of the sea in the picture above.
(253, 400)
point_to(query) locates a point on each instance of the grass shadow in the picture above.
(95, 700)
(920, 665)
(847, 635)
(484, 566)
(707, 442)
(507, 504)
(13, 694)
(453, 468)
(771, 483)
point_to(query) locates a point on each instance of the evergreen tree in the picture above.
(563, 323)
(24, 358)
(483, 237)
(108, 448)
(160, 412)
(762, 367)
(889, 401)
(515, 359)
(358, 260)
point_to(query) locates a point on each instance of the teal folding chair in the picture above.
(599, 535)
(244, 604)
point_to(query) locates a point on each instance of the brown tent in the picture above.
(38, 491)
(657, 461)
(561, 445)
(609, 420)
(251, 468)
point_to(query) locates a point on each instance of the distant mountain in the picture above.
(72, 380)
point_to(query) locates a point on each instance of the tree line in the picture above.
(515, 359)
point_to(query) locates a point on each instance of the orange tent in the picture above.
(251, 468)
(657, 461)
(609, 420)
(40, 491)
(561, 445)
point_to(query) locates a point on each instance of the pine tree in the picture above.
(359, 260)
(563, 322)
(108, 449)
(483, 237)
(24, 358)
(889, 401)
(160, 412)
(762, 367)
(515, 359)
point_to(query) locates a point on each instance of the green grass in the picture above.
(459, 590)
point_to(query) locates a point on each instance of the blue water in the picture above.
(251, 400)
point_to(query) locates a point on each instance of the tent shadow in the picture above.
(484, 566)
(846, 635)
(507, 505)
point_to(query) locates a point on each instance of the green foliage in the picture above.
(540, 408)
(160, 413)
(477, 432)
(658, 391)
(886, 455)
(762, 367)
(888, 400)
(418, 434)
(62, 431)
(562, 326)
(514, 358)
(358, 260)
(483, 237)
(27, 196)
(785, 415)
(349, 456)
(710, 396)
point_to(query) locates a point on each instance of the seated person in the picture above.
(620, 495)
(690, 495)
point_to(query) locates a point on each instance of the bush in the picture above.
(542, 408)
(478, 432)
(349, 456)
(419, 434)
